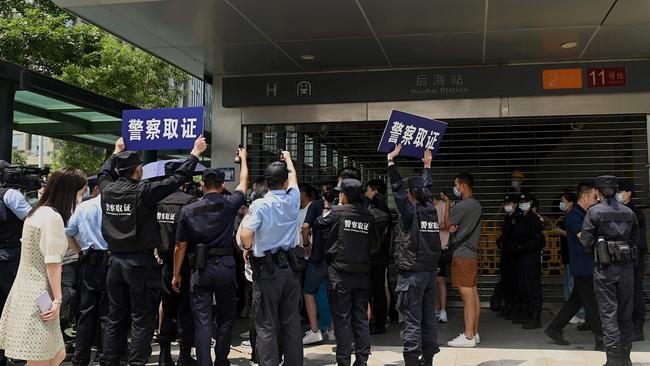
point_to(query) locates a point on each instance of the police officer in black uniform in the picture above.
(131, 230)
(13, 210)
(417, 251)
(205, 231)
(611, 232)
(350, 230)
(508, 283)
(177, 314)
(527, 241)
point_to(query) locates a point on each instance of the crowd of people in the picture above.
(121, 257)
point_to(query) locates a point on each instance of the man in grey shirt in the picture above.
(464, 223)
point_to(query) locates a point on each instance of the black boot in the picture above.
(165, 358)
(410, 360)
(426, 361)
(613, 357)
(185, 356)
(556, 336)
(625, 356)
(360, 360)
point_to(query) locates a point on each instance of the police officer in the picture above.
(130, 228)
(177, 314)
(273, 222)
(417, 251)
(527, 240)
(205, 231)
(508, 283)
(611, 232)
(625, 194)
(85, 236)
(13, 211)
(350, 229)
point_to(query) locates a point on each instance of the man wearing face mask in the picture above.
(13, 210)
(131, 230)
(508, 257)
(624, 196)
(517, 183)
(527, 238)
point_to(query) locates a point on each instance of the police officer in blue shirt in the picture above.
(273, 222)
(85, 236)
(205, 231)
(13, 210)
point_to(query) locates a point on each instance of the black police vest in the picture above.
(168, 212)
(351, 250)
(11, 230)
(380, 236)
(128, 225)
(616, 219)
(418, 249)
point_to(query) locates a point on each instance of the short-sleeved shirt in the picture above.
(210, 221)
(274, 220)
(466, 214)
(53, 242)
(85, 225)
(317, 242)
(15, 201)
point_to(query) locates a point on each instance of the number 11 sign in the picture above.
(606, 77)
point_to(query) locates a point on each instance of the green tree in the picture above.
(84, 157)
(18, 158)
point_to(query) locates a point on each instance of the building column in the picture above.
(6, 122)
(226, 134)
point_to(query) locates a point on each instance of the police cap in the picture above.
(525, 197)
(172, 166)
(625, 185)
(510, 198)
(276, 172)
(352, 188)
(607, 181)
(415, 182)
(127, 159)
(219, 175)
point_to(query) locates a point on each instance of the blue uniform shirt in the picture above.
(274, 219)
(16, 202)
(580, 263)
(85, 225)
(202, 222)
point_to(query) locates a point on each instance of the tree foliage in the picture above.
(84, 157)
(18, 158)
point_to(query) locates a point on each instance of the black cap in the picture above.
(625, 185)
(172, 166)
(525, 197)
(415, 182)
(219, 175)
(352, 188)
(127, 159)
(92, 182)
(276, 172)
(510, 198)
(607, 181)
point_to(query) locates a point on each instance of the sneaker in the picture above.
(246, 343)
(253, 363)
(556, 336)
(245, 335)
(442, 317)
(462, 342)
(311, 337)
(477, 338)
(329, 335)
(576, 320)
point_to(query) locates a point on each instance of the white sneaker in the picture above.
(442, 317)
(311, 337)
(477, 338)
(246, 344)
(253, 363)
(462, 342)
(329, 335)
(576, 320)
(245, 335)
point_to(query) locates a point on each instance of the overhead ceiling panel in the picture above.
(434, 49)
(629, 12)
(248, 58)
(620, 41)
(526, 14)
(337, 53)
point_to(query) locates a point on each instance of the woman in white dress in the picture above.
(25, 332)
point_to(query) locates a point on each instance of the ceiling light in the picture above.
(569, 44)
(307, 57)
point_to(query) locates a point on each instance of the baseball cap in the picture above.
(415, 182)
(352, 188)
(127, 159)
(219, 175)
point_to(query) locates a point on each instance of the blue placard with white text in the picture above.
(415, 134)
(161, 129)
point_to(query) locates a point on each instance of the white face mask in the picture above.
(525, 206)
(515, 184)
(619, 197)
(508, 208)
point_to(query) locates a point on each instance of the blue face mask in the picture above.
(457, 192)
(562, 206)
(524, 206)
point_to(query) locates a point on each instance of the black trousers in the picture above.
(378, 300)
(69, 285)
(582, 295)
(177, 314)
(133, 284)
(349, 304)
(508, 280)
(276, 305)
(8, 270)
(93, 305)
(639, 308)
(529, 283)
(615, 292)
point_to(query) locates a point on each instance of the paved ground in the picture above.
(502, 344)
